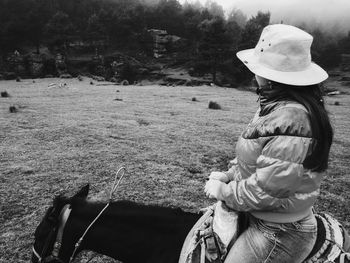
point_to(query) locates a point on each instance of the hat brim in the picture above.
(314, 74)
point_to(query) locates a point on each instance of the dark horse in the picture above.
(135, 233)
(126, 231)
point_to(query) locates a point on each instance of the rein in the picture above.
(64, 215)
(114, 188)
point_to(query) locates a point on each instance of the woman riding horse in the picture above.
(282, 154)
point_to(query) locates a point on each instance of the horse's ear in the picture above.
(83, 192)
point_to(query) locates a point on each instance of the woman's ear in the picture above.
(261, 81)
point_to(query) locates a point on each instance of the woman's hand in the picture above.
(215, 189)
(219, 176)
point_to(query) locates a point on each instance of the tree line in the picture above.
(212, 37)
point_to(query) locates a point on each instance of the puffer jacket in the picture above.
(268, 178)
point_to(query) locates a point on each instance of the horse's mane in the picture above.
(133, 211)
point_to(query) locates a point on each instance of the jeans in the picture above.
(267, 242)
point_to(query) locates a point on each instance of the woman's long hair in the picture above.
(311, 98)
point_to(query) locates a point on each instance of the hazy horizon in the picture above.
(328, 15)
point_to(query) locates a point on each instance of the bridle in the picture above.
(63, 218)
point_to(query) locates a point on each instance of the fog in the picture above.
(328, 15)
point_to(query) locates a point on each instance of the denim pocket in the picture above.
(299, 226)
(269, 230)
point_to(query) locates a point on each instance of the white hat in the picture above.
(283, 55)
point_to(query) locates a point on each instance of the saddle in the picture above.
(206, 243)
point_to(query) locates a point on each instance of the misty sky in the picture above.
(331, 15)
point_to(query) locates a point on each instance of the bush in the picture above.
(214, 105)
(4, 94)
(128, 72)
(10, 75)
(65, 76)
(98, 78)
(13, 109)
(194, 99)
(143, 122)
(125, 82)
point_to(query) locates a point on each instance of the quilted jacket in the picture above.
(268, 178)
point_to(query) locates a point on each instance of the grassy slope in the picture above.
(64, 137)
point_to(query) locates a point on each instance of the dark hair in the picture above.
(311, 98)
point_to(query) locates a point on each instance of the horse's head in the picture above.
(46, 232)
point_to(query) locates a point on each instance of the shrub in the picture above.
(336, 103)
(128, 72)
(4, 94)
(214, 105)
(143, 122)
(194, 99)
(9, 75)
(125, 82)
(13, 109)
(66, 76)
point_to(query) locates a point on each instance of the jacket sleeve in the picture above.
(233, 172)
(278, 175)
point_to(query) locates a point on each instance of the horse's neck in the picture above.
(127, 231)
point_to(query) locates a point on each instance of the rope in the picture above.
(114, 188)
(115, 185)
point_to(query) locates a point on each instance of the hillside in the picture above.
(68, 132)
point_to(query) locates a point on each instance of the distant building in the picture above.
(160, 40)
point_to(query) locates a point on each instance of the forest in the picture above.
(37, 30)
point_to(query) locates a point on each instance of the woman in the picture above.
(282, 154)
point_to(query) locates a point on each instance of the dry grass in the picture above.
(61, 138)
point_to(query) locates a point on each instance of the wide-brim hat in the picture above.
(283, 55)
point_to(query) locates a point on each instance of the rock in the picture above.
(13, 109)
(98, 78)
(10, 75)
(4, 94)
(125, 82)
(113, 79)
(66, 76)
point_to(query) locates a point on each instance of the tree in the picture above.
(214, 9)
(237, 16)
(325, 51)
(59, 28)
(216, 44)
(191, 19)
(168, 16)
(253, 29)
(94, 29)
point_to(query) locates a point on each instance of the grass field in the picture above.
(63, 137)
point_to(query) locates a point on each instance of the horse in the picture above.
(133, 233)
(126, 231)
